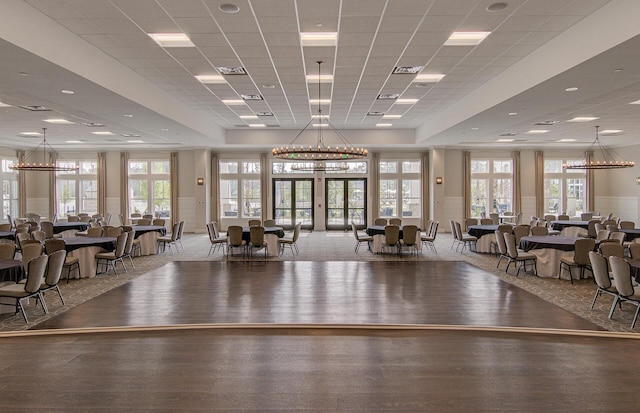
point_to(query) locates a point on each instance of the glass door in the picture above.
(346, 202)
(293, 202)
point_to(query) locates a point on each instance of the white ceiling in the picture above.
(100, 50)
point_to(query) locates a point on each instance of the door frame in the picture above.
(293, 207)
(347, 224)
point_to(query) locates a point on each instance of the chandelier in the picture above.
(320, 156)
(609, 158)
(33, 165)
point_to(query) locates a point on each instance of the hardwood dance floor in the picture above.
(321, 368)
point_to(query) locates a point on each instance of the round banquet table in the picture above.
(549, 250)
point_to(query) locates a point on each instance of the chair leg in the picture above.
(635, 317)
(595, 297)
(22, 311)
(60, 295)
(613, 306)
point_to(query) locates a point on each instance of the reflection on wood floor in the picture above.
(320, 369)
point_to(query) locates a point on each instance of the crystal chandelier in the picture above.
(31, 164)
(604, 158)
(320, 156)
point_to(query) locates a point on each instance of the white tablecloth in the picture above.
(484, 243)
(149, 243)
(87, 257)
(548, 263)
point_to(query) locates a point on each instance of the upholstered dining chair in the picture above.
(256, 241)
(255, 222)
(395, 221)
(539, 231)
(361, 239)
(467, 241)
(53, 273)
(563, 217)
(8, 250)
(495, 218)
(627, 225)
(169, 240)
(486, 221)
(6, 227)
(158, 222)
(38, 235)
(30, 251)
(520, 231)
(409, 238)
(144, 221)
(31, 288)
(216, 241)
(269, 223)
(112, 231)
(70, 263)
(517, 256)
(470, 221)
(94, 232)
(600, 268)
(293, 241)
(626, 291)
(609, 249)
(128, 247)
(634, 251)
(111, 259)
(391, 237)
(429, 237)
(618, 236)
(380, 222)
(580, 258)
(234, 239)
(501, 246)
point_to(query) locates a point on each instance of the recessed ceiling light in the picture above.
(323, 78)
(92, 124)
(211, 79)
(269, 86)
(229, 8)
(31, 133)
(407, 70)
(164, 130)
(391, 116)
(135, 141)
(35, 108)
(567, 140)
(497, 6)
(571, 89)
(103, 133)
(171, 39)
(74, 141)
(130, 135)
(512, 113)
(429, 77)
(618, 70)
(406, 101)
(58, 121)
(233, 102)
(636, 102)
(23, 73)
(384, 125)
(4, 105)
(319, 38)
(611, 131)
(320, 125)
(537, 131)
(508, 134)
(466, 38)
(505, 140)
(319, 101)
(128, 116)
(319, 116)
(257, 125)
(248, 116)
(67, 92)
(547, 123)
(475, 128)
(583, 119)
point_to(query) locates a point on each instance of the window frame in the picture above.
(399, 173)
(77, 180)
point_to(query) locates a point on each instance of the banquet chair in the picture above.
(470, 221)
(409, 236)
(33, 217)
(539, 231)
(216, 241)
(159, 222)
(31, 288)
(634, 251)
(38, 235)
(517, 256)
(429, 237)
(255, 222)
(148, 216)
(112, 258)
(47, 227)
(73, 218)
(486, 221)
(53, 273)
(493, 245)
(609, 249)
(234, 239)
(626, 291)
(293, 242)
(627, 225)
(391, 237)
(94, 232)
(269, 223)
(586, 216)
(520, 231)
(8, 250)
(591, 228)
(395, 221)
(563, 217)
(580, 258)
(549, 218)
(70, 263)
(256, 241)
(518, 220)
(128, 247)
(169, 240)
(495, 218)
(6, 227)
(123, 221)
(380, 222)
(180, 232)
(454, 234)
(144, 221)
(112, 231)
(501, 247)
(600, 269)
(85, 219)
(618, 236)
(29, 251)
(612, 222)
(467, 241)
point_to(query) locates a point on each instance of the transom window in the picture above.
(400, 189)
(77, 190)
(491, 186)
(240, 189)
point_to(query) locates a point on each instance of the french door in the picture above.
(346, 202)
(293, 202)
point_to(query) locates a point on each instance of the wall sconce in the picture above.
(439, 180)
(200, 181)
(638, 180)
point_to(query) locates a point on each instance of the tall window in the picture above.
(9, 188)
(491, 186)
(77, 191)
(400, 185)
(564, 189)
(150, 187)
(240, 189)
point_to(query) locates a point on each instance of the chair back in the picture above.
(621, 276)
(458, 229)
(495, 218)
(214, 227)
(591, 228)
(409, 233)
(8, 250)
(610, 222)
(38, 235)
(549, 217)
(380, 221)
(433, 231)
(256, 236)
(85, 219)
(234, 235)
(147, 216)
(600, 269)
(54, 267)
(73, 218)
(520, 231)
(269, 223)
(563, 217)
(486, 221)
(510, 241)
(121, 243)
(452, 225)
(21, 237)
(392, 234)
(180, 230)
(296, 231)
(175, 231)
(502, 246)
(519, 218)
(47, 227)
(211, 232)
(53, 244)
(33, 217)
(582, 248)
(602, 234)
(627, 225)
(144, 221)
(36, 268)
(112, 231)
(128, 246)
(505, 228)
(618, 236)
(255, 222)
(586, 216)
(609, 249)
(136, 215)
(634, 251)
(94, 232)
(159, 222)
(30, 251)
(395, 221)
(470, 221)
(6, 227)
(539, 231)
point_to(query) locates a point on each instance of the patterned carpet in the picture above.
(338, 246)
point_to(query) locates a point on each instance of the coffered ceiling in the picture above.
(146, 95)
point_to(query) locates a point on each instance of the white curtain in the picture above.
(173, 184)
(215, 193)
(124, 185)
